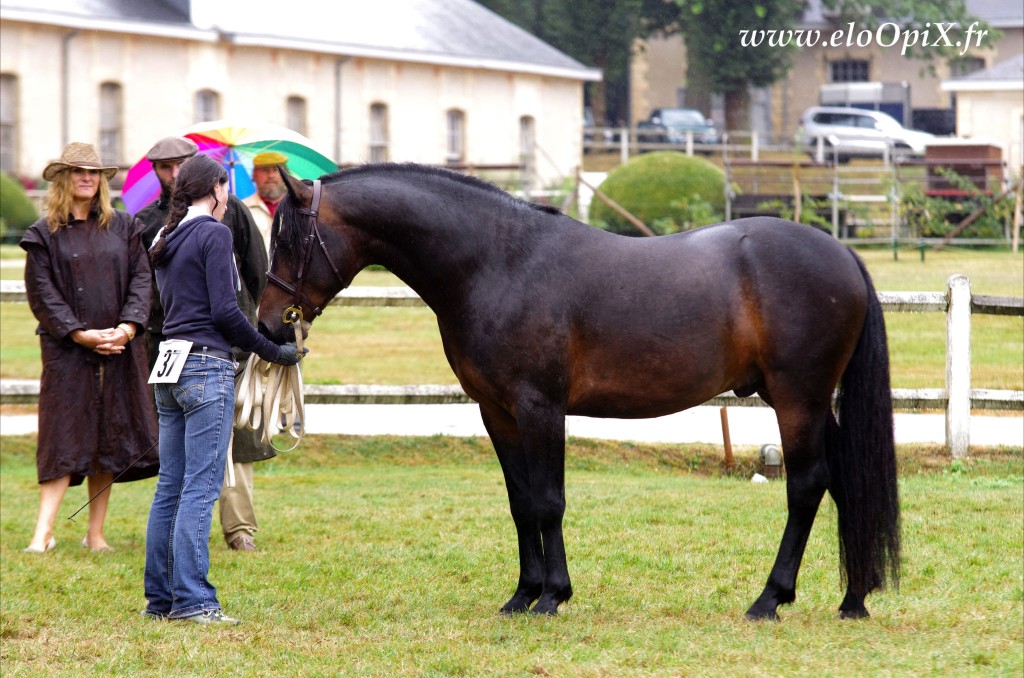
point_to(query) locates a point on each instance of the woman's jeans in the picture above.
(195, 430)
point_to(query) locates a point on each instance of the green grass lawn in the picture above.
(391, 556)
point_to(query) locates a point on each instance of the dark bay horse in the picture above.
(542, 316)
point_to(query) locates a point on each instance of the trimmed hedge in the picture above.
(17, 211)
(668, 191)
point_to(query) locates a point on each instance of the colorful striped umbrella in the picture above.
(233, 144)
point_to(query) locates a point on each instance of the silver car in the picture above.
(856, 132)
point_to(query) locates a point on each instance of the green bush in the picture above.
(17, 211)
(937, 216)
(668, 191)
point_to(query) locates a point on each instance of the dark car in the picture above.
(670, 126)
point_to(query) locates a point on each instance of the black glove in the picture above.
(288, 354)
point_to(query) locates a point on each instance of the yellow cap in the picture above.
(269, 159)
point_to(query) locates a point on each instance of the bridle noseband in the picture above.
(294, 312)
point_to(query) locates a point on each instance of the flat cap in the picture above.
(172, 148)
(269, 159)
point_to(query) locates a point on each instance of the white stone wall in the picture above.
(160, 77)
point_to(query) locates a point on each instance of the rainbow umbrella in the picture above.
(233, 144)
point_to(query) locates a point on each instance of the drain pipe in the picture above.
(337, 107)
(65, 68)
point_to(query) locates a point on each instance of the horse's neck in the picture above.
(441, 252)
(436, 263)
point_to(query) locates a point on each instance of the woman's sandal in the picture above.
(50, 545)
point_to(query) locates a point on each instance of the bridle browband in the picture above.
(294, 312)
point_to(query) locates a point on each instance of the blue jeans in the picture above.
(195, 429)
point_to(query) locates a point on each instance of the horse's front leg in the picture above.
(531, 450)
(504, 434)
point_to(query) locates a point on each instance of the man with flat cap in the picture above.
(237, 513)
(270, 190)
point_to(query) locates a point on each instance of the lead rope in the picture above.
(267, 394)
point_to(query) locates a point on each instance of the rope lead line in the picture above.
(269, 397)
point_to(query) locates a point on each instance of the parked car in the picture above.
(670, 125)
(858, 133)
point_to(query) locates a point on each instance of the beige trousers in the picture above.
(237, 513)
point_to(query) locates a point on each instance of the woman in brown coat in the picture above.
(88, 284)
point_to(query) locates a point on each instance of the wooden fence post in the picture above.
(958, 366)
(730, 463)
(1018, 217)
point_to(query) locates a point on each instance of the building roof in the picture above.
(996, 13)
(457, 33)
(1005, 75)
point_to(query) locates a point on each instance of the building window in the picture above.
(849, 70)
(456, 147)
(958, 68)
(296, 112)
(378, 133)
(110, 123)
(8, 121)
(207, 106)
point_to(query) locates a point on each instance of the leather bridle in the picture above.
(294, 312)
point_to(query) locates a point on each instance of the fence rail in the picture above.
(957, 399)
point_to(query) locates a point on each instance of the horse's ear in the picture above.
(299, 192)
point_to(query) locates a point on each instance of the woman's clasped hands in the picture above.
(110, 341)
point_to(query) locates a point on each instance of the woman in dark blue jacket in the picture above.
(195, 390)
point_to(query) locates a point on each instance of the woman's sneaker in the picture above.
(212, 617)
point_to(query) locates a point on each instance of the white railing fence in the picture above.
(958, 399)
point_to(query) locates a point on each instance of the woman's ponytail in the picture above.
(197, 178)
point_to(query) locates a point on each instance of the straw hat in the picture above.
(77, 154)
(269, 159)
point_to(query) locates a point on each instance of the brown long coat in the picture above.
(96, 414)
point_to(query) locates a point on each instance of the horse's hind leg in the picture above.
(508, 446)
(803, 443)
(542, 428)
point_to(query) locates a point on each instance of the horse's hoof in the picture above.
(551, 610)
(862, 613)
(755, 614)
(517, 605)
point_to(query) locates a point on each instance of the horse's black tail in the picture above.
(862, 460)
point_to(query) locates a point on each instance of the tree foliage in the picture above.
(597, 33)
(712, 29)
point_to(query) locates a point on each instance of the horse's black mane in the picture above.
(432, 171)
(288, 212)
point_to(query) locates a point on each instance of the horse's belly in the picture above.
(637, 393)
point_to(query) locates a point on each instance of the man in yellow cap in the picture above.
(269, 190)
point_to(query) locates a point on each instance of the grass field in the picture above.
(390, 557)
